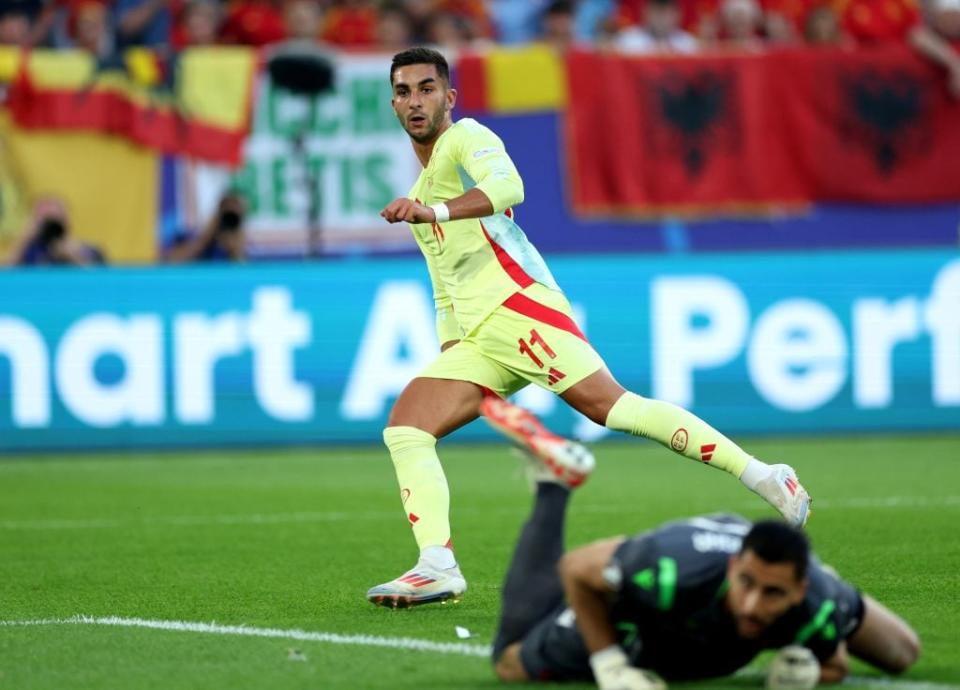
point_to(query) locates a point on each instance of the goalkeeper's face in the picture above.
(423, 101)
(761, 592)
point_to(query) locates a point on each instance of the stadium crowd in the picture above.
(105, 27)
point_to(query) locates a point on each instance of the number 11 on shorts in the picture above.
(526, 348)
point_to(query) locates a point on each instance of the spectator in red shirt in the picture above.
(475, 14)
(198, 24)
(876, 21)
(352, 23)
(254, 23)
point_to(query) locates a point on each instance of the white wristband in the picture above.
(442, 213)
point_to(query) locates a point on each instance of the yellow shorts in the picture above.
(531, 337)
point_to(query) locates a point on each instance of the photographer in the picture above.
(221, 239)
(48, 242)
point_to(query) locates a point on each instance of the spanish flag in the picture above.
(203, 111)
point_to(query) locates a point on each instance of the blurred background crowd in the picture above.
(108, 29)
(105, 27)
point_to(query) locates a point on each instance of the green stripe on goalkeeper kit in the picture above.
(666, 583)
(814, 626)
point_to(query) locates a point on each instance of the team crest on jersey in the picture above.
(679, 440)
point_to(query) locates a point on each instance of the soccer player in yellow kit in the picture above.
(503, 322)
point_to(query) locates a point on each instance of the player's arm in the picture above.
(591, 578)
(588, 592)
(484, 158)
(473, 203)
(498, 185)
(836, 668)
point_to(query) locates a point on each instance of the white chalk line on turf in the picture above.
(886, 502)
(197, 520)
(410, 643)
(871, 682)
(401, 643)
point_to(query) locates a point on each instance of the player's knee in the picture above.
(595, 396)
(908, 651)
(508, 666)
(402, 438)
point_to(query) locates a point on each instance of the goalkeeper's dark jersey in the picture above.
(668, 607)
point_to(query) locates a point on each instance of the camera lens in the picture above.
(230, 220)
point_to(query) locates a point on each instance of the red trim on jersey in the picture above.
(512, 268)
(524, 305)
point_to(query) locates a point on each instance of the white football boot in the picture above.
(551, 458)
(783, 491)
(422, 584)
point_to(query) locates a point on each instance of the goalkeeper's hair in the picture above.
(421, 56)
(777, 542)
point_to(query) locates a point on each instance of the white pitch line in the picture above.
(872, 682)
(861, 502)
(410, 643)
(196, 520)
(403, 643)
(890, 502)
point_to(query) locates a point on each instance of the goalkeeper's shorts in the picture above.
(530, 338)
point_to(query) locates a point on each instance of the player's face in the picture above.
(422, 101)
(761, 592)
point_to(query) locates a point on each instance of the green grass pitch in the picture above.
(291, 539)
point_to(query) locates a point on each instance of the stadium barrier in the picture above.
(309, 353)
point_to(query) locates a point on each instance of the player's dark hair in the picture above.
(421, 56)
(778, 542)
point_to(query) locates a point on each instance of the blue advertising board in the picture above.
(316, 353)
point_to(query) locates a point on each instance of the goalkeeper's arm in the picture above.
(588, 592)
(581, 572)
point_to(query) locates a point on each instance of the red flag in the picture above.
(747, 132)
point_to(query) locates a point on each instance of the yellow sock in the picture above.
(423, 486)
(680, 431)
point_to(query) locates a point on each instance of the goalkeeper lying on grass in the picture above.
(692, 599)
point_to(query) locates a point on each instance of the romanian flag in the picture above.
(205, 113)
(511, 81)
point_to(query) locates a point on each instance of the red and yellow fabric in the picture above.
(109, 186)
(207, 116)
(354, 27)
(512, 80)
(253, 23)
